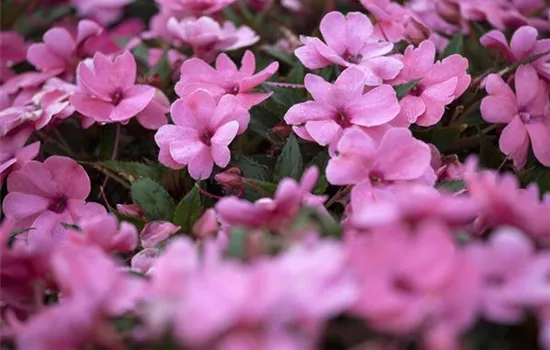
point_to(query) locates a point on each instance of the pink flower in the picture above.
(194, 7)
(106, 232)
(20, 89)
(439, 84)
(41, 188)
(498, 13)
(60, 50)
(207, 37)
(156, 232)
(504, 202)
(399, 158)
(107, 92)
(207, 225)
(14, 51)
(390, 18)
(103, 11)
(13, 152)
(339, 106)
(202, 133)
(526, 114)
(273, 213)
(350, 42)
(523, 45)
(225, 79)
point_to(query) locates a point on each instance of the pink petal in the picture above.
(319, 89)
(497, 40)
(63, 168)
(348, 86)
(307, 111)
(202, 106)
(40, 56)
(514, 142)
(248, 101)
(220, 154)
(225, 64)
(183, 151)
(20, 206)
(135, 99)
(359, 31)
(200, 166)
(229, 109)
(334, 30)
(497, 109)
(527, 85)
(411, 108)
(249, 83)
(60, 42)
(539, 133)
(248, 64)
(417, 62)
(323, 131)
(401, 157)
(172, 133)
(310, 56)
(523, 42)
(91, 107)
(225, 134)
(123, 72)
(376, 107)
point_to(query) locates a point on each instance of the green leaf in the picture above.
(263, 188)
(452, 185)
(284, 97)
(236, 248)
(187, 211)
(455, 46)
(403, 89)
(153, 198)
(250, 168)
(289, 163)
(262, 120)
(130, 170)
(539, 175)
(280, 55)
(296, 74)
(162, 68)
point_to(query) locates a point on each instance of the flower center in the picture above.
(116, 97)
(525, 117)
(416, 91)
(376, 177)
(403, 285)
(355, 59)
(58, 205)
(234, 90)
(205, 137)
(342, 120)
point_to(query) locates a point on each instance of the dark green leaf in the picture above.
(539, 175)
(187, 211)
(236, 248)
(296, 74)
(452, 185)
(280, 55)
(250, 168)
(403, 89)
(162, 68)
(284, 97)
(454, 46)
(130, 170)
(289, 163)
(263, 188)
(261, 120)
(153, 198)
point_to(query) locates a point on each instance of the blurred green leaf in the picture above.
(187, 211)
(236, 248)
(153, 198)
(451, 185)
(455, 46)
(250, 168)
(289, 163)
(539, 175)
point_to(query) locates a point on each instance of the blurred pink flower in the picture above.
(202, 133)
(14, 51)
(339, 106)
(439, 84)
(350, 42)
(207, 225)
(207, 37)
(107, 92)
(13, 152)
(390, 19)
(60, 50)
(526, 114)
(523, 45)
(41, 188)
(194, 7)
(225, 79)
(399, 158)
(103, 11)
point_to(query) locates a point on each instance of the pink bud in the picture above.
(207, 225)
(131, 210)
(156, 232)
(230, 178)
(416, 32)
(144, 260)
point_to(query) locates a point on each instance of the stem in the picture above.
(337, 196)
(112, 176)
(115, 151)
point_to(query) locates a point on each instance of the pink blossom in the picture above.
(273, 213)
(13, 152)
(350, 42)
(207, 225)
(526, 114)
(194, 7)
(14, 51)
(390, 18)
(107, 92)
(38, 189)
(103, 11)
(106, 232)
(339, 106)
(523, 45)
(225, 79)
(20, 89)
(504, 202)
(155, 232)
(153, 116)
(202, 133)
(439, 84)
(207, 37)
(399, 158)
(60, 50)
(498, 13)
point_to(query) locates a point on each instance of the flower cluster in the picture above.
(221, 174)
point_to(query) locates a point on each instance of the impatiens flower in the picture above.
(526, 114)
(498, 13)
(523, 45)
(14, 51)
(38, 189)
(60, 50)
(438, 84)
(339, 106)
(13, 152)
(225, 79)
(107, 92)
(273, 213)
(20, 89)
(202, 133)
(194, 7)
(398, 158)
(103, 11)
(390, 18)
(350, 42)
(207, 37)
